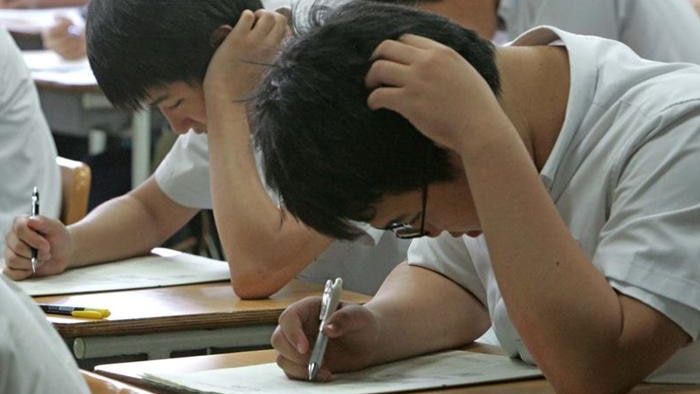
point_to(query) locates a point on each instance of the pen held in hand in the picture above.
(329, 304)
(75, 311)
(35, 212)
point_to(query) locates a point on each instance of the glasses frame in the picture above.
(405, 230)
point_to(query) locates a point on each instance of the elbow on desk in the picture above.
(256, 278)
(253, 286)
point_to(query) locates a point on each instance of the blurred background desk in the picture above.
(70, 98)
(73, 104)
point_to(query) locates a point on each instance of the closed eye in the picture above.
(177, 104)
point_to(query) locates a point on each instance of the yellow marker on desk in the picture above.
(75, 311)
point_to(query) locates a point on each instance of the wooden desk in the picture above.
(157, 322)
(73, 104)
(132, 373)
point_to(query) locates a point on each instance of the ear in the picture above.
(219, 35)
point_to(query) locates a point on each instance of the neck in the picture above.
(535, 89)
(478, 15)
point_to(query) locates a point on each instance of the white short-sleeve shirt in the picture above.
(33, 357)
(624, 175)
(363, 264)
(666, 30)
(27, 149)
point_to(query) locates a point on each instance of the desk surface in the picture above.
(200, 306)
(133, 371)
(51, 71)
(99, 384)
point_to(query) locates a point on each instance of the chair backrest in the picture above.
(75, 183)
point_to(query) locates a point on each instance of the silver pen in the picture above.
(329, 303)
(35, 212)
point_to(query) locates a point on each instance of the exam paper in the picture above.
(453, 368)
(167, 268)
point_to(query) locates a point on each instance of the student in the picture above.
(33, 356)
(164, 63)
(658, 30)
(558, 181)
(27, 150)
(66, 38)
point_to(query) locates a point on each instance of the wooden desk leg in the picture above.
(140, 146)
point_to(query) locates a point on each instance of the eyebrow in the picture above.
(402, 219)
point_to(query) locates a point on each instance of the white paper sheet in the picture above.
(454, 368)
(167, 268)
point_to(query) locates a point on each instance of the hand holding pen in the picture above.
(329, 304)
(35, 212)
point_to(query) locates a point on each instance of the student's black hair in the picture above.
(329, 156)
(136, 45)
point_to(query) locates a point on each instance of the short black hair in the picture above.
(137, 45)
(324, 151)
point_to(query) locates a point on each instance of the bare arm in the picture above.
(440, 313)
(127, 226)
(264, 251)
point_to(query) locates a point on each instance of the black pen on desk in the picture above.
(76, 311)
(35, 212)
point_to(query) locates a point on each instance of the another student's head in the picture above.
(137, 45)
(330, 157)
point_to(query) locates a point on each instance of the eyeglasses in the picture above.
(405, 230)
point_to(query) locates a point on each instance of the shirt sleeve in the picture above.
(649, 247)
(449, 257)
(183, 175)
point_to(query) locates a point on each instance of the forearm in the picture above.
(126, 226)
(265, 250)
(420, 311)
(571, 320)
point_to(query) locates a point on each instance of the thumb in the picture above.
(347, 320)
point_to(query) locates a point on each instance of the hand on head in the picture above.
(433, 87)
(243, 51)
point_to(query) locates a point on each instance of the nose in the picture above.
(179, 124)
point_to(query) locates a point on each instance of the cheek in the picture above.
(198, 113)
